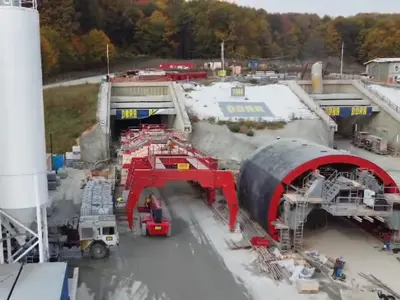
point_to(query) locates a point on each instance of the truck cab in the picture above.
(98, 234)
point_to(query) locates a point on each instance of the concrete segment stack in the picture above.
(97, 199)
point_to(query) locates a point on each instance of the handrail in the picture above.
(346, 203)
(385, 99)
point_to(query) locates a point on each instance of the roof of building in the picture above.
(35, 281)
(383, 60)
(8, 276)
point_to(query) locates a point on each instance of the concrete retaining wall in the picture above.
(386, 123)
(329, 125)
(182, 121)
(95, 141)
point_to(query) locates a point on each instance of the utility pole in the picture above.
(108, 62)
(341, 61)
(223, 55)
(51, 150)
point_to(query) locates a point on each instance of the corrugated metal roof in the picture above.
(383, 60)
(40, 282)
(8, 275)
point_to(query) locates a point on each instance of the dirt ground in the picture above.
(361, 251)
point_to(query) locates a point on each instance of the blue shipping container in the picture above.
(58, 161)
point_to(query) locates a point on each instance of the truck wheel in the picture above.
(99, 251)
(169, 230)
(143, 229)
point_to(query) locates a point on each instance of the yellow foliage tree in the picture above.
(49, 56)
(383, 41)
(96, 42)
(332, 40)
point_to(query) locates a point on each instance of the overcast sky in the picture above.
(326, 7)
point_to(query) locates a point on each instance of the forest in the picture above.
(75, 33)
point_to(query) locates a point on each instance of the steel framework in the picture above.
(175, 161)
(26, 238)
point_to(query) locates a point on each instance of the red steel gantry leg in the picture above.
(208, 179)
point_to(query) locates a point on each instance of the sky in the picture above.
(325, 7)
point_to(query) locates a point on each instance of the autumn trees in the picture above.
(75, 33)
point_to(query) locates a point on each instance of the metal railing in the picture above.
(354, 206)
(383, 98)
(161, 156)
(306, 179)
(19, 3)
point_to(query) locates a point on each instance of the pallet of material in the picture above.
(305, 286)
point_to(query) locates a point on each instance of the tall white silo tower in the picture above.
(23, 175)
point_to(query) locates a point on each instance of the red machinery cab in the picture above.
(154, 219)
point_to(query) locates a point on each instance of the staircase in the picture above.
(311, 104)
(383, 102)
(300, 219)
(331, 188)
(284, 231)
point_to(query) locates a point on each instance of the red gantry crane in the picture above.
(176, 161)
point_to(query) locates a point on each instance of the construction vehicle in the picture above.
(375, 144)
(153, 156)
(154, 218)
(95, 230)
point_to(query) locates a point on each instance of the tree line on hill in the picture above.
(75, 33)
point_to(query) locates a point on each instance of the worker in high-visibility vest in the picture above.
(170, 146)
(147, 201)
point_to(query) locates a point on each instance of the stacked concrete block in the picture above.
(52, 181)
(97, 199)
(73, 158)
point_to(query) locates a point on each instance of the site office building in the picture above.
(384, 69)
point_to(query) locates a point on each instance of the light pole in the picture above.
(108, 62)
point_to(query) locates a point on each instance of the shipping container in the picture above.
(177, 65)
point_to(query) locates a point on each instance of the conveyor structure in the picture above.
(283, 181)
(169, 158)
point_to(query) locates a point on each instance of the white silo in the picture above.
(23, 176)
(316, 78)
